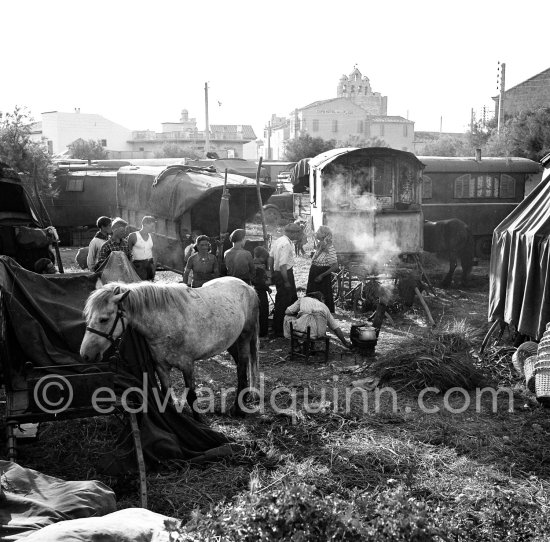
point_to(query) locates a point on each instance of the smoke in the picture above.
(351, 206)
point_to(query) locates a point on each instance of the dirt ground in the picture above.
(469, 468)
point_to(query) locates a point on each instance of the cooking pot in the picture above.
(364, 332)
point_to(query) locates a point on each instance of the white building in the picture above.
(60, 129)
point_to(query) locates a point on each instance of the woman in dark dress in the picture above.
(323, 264)
(203, 264)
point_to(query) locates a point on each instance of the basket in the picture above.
(542, 368)
(529, 371)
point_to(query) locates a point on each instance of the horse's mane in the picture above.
(143, 296)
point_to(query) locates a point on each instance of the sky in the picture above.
(139, 63)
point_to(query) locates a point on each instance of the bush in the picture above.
(297, 513)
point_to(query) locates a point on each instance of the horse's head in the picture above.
(104, 321)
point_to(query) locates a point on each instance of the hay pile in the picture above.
(439, 359)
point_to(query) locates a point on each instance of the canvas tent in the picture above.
(519, 271)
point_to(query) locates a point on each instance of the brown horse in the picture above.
(453, 238)
(181, 325)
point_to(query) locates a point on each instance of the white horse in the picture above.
(181, 325)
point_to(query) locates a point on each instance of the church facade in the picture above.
(357, 116)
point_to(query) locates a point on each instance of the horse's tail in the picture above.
(254, 358)
(467, 254)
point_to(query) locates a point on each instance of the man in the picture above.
(116, 242)
(281, 262)
(238, 261)
(100, 238)
(140, 245)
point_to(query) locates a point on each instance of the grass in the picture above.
(385, 470)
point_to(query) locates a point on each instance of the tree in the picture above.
(362, 142)
(306, 146)
(170, 150)
(528, 134)
(448, 145)
(29, 158)
(88, 150)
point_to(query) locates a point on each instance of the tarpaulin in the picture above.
(30, 500)
(519, 272)
(46, 327)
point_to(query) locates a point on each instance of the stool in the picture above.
(303, 345)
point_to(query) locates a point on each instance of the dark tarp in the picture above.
(30, 500)
(519, 272)
(299, 176)
(46, 327)
(169, 192)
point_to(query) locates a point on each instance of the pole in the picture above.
(501, 96)
(55, 242)
(207, 128)
(259, 193)
(224, 219)
(269, 140)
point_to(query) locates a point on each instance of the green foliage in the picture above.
(528, 134)
(171, 150)
(306, 146)
(29, 158)
(362, 142)
(448, 146)
(298, 513)
(88, 150)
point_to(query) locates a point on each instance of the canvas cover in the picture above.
(45, 326)
(519, 272)
(169, 192)
(30, 501)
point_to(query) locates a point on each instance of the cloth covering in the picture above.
(128, 525)
(31, 500)
(46, 327)
(519, 271)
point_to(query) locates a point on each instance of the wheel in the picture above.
(272, 215)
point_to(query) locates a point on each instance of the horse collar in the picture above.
(109, 336)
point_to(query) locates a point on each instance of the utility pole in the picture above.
(440, 125)
(207, 128)
(269, 152)
(501, 96)
(472, 121)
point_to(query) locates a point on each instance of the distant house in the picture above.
(531, 94)
(227, 140)
(59, 129)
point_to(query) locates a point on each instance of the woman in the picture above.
(311, 311)
(203, 264)
(323, 264)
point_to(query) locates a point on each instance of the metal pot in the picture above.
(363, 333)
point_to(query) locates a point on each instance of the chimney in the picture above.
(478, 155)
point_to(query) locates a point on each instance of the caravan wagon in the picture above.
(370, 198)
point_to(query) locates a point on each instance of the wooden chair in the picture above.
(302, 345)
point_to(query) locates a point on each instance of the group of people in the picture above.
(138, 246)
(316, 309)
(260, 270)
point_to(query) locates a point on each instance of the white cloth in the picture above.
(127, 525)
(93, 251)
(282, 252)
(142, 249)
(310, 313)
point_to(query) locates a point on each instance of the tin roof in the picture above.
(468, 164)
(322, 160)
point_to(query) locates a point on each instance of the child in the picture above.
(261, 285)
(301, 241)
